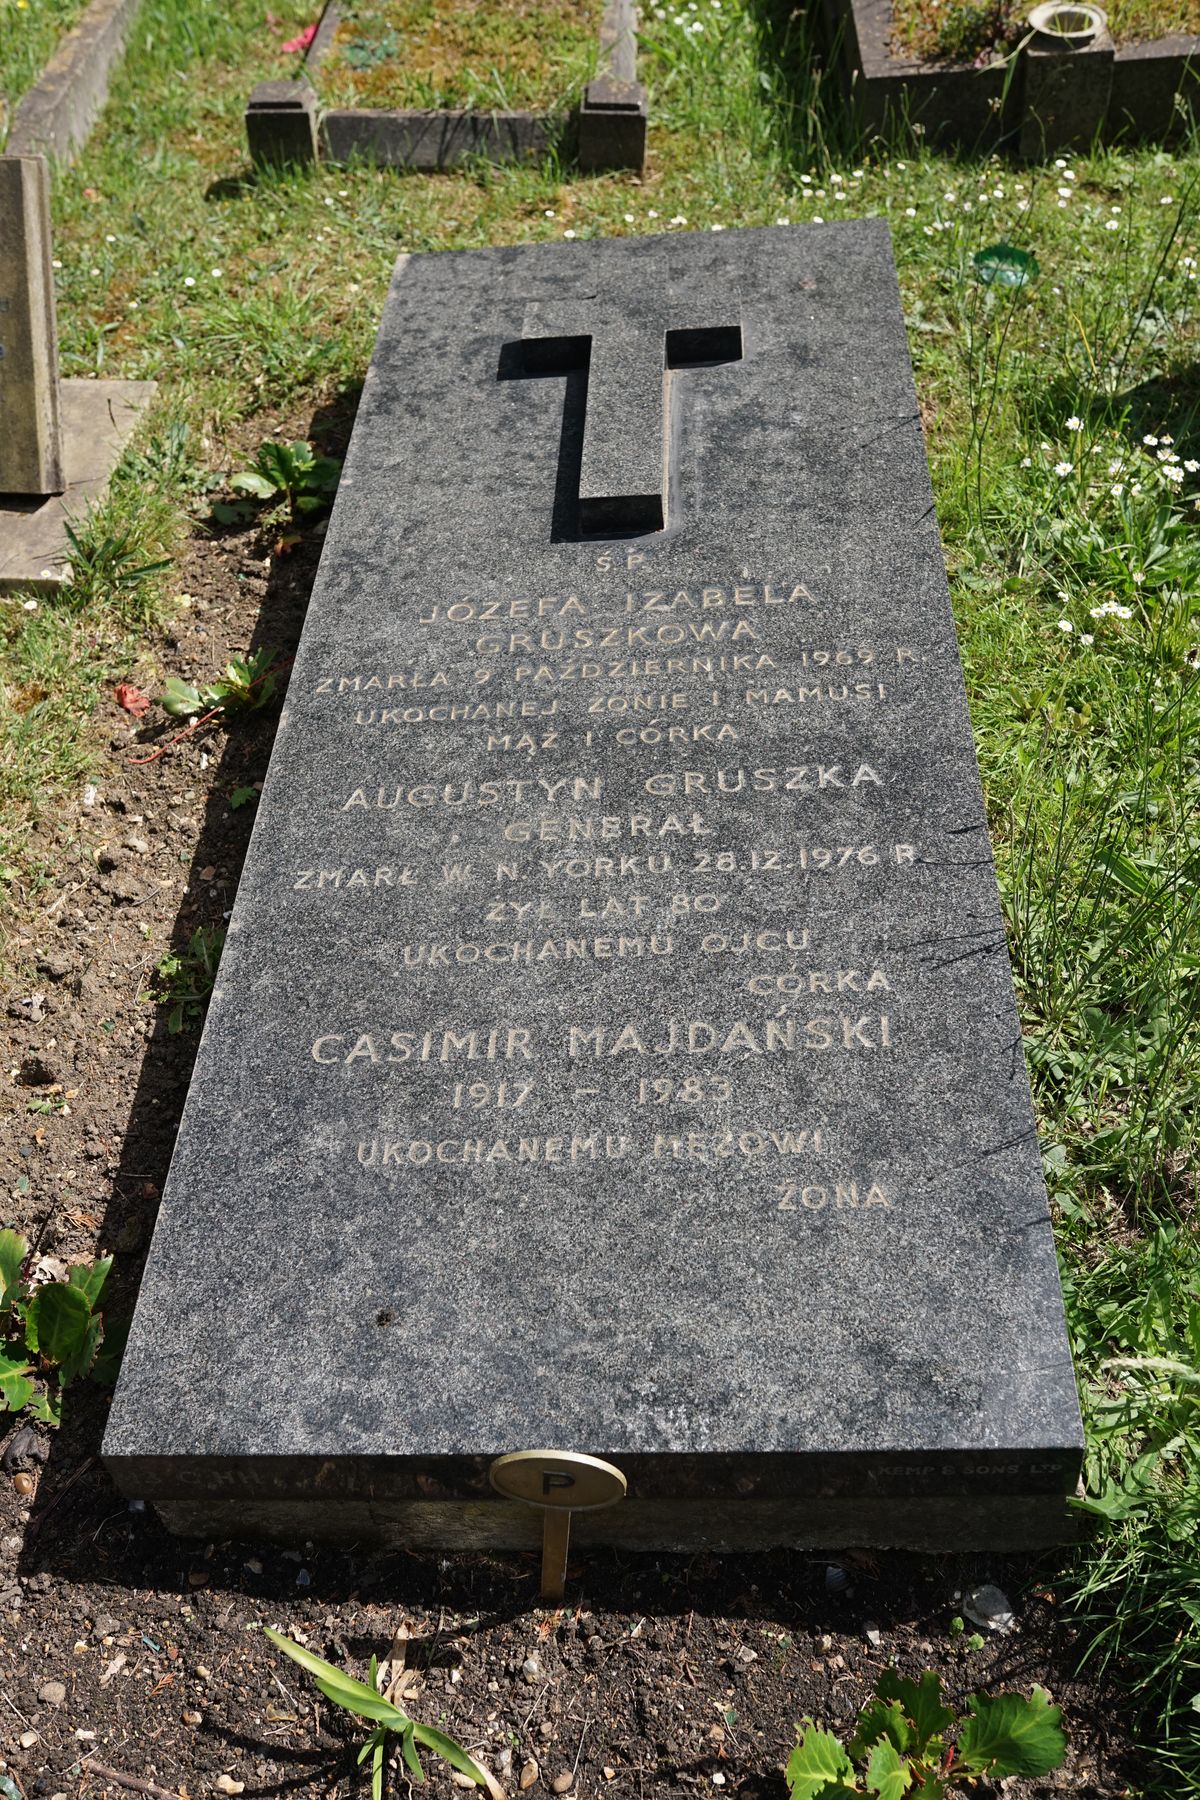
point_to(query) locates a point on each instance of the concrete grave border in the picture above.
(284, 124)
(56, 115)
(1051, 100)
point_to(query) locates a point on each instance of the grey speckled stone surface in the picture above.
(614, 1047)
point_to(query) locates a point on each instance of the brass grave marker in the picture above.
(560, 1483)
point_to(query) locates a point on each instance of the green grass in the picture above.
(30, 31)
(1077, 606)
(528, 55)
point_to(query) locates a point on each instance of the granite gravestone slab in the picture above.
(614, 1048)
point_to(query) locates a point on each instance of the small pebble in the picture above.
(198, 1578)
(562, 1784)
(546, 1728)
(52, 1693)
(27, 1739)
(836, 1579)
(718, 1779)
(192, 1718)
(529, 1773)
(609, 1774)
(827, 1643)
(23, 1483)
(253, 1566)
(873, 1635)
(531, 1668)
(461, 1780)
(225, 1784)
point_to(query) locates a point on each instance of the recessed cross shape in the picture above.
(629, 355)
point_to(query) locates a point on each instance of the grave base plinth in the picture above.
(933, 1523)
(98, 419)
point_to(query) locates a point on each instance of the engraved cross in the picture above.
(630, 355)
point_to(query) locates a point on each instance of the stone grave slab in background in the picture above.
(31, 460)
(60, 440)
(614, 1049)
(285, 124)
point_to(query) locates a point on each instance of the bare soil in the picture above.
(663, 1674)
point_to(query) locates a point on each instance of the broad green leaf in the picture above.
(1003, 265)
(72, 1367)
(817, 1764)
(880, 1719)
(922, 1704)
(179, 698)
(452, 1750)
(888, 1774)
(89, 1278)
(13, 1251)
(259, 485)
(46, 1408)
(57, 1323)
(16, 1391)
(1010, 1735)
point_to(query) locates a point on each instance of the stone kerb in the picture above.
(56, 115)
(1043, 101)
(284, 124)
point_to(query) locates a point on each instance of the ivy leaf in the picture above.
(922, 1704)
(1010, 1735)
(13, 1251)
(58, 1322)
(888, 1774)
(880, 1721)
(818, 1766)
(1003, 265)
